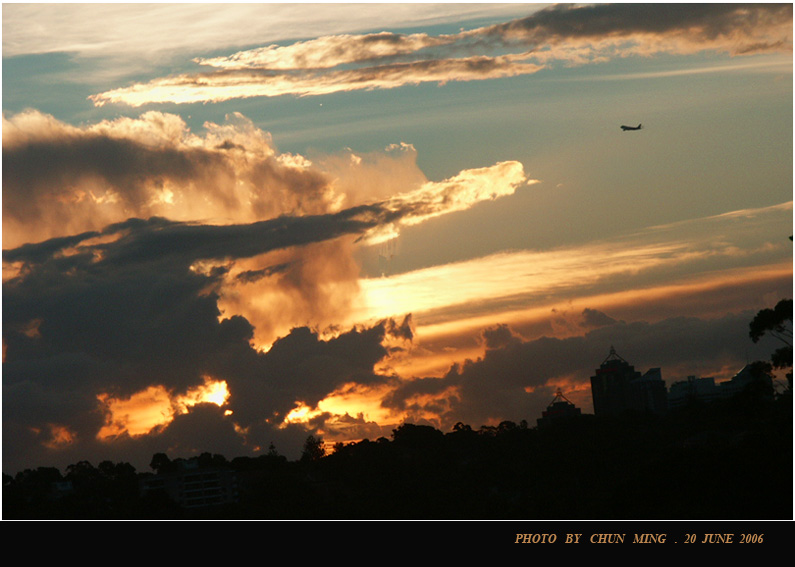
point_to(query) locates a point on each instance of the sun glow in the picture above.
(145, 411)
(301, 413)
(213, 392)
(352, 411)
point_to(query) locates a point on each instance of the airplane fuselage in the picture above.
(638, 127)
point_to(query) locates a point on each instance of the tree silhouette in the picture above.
(161, 463)
(777, 323)
(313, 449)
(208, 460)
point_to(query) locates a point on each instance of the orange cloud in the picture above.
(457, 193)
(701, 265)
(479, 286)
(60, 437)
(155, 407)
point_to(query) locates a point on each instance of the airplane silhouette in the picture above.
(638, 127)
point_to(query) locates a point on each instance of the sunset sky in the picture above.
(226, 226)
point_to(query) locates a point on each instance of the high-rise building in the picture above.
(560, 408)
(193, 486)
(705, 390)
(746, 378)
(617, 387)
(692, 390)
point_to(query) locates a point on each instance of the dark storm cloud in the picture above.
(186, 243)
(123, 163)
(141, 316)
(120, 310)
(250, 276)
(403, 330)
(203, 427)
(160, 240)
(311, 369)
(149, 304)
(594, 318)
(86, 290)
(704, 21)
(499, 337)
(516, 379)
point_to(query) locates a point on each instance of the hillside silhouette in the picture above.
(730, 459)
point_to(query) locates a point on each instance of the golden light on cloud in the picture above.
(212, 392)
(155, 407)
(318, 284)
(142, 250)
(301, 413)
(60, 437)
(328, 64)
(12, 270)
(474, 284)
(254, 82)
(515, 281)
(324, 52)
(457, 193)
(351, 413)
(429, 359)
(682, 263)
(358, 400)
(349, 400)
(137, 415)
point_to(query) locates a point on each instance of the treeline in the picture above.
(730, 459)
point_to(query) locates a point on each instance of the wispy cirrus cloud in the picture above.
(134, 31)
(568, 35)
(684, 253)
(328, 51)
(246, 83)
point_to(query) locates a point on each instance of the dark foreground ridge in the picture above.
(725, 460)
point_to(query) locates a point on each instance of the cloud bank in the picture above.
(95, 323)
(231, 173)
(180, 291)
(569, 35)
(152, 275)
(519, 377)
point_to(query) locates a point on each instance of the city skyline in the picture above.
(341, 218)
